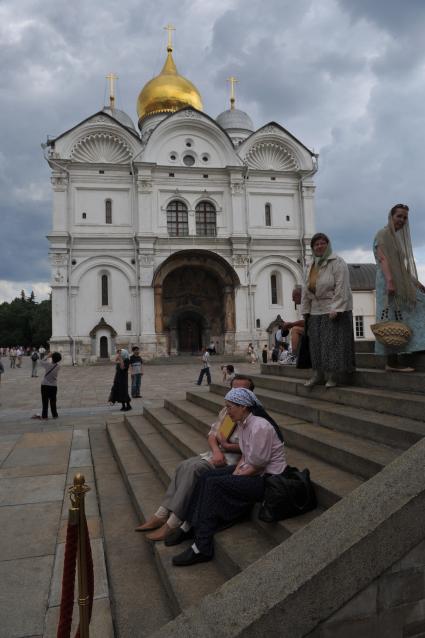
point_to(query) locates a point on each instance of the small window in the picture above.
(173, 157)
(268, 214)
(258, 323)
(108, 211)
(105, 299)
(288, 219)
(359, 325)
(205, 158)
(188, 160)
(205, 176)
(273, 285)
(273, 179)
(170, 174)
(206, 219)
(101, 172)
(128, 325)
(84, 215)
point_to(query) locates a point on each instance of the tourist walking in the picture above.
(399, 294)
(119, 390)
(205, 369)
(34, 362)
(12, 357)
(49, 385)
(327, 308)
(136, 372)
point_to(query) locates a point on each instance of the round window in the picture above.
(173, 157)
(188, 160)
(205, 158)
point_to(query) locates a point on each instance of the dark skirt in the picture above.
(332, 342)
(119, 390)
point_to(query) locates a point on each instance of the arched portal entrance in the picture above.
(104, 354)
(195, 301)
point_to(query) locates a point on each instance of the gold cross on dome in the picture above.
(232, 80)
(170, 28)
(111, 77)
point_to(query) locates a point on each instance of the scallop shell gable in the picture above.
(101, 148)
(271, 156)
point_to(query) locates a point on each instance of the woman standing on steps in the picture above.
(327, 304)
(119, 391)
(397, 285)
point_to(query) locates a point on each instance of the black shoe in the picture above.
(189, 557)
(128, 408)
(178, 536)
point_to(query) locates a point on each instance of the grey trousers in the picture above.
(180, 489)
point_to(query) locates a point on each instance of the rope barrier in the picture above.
(77, 550)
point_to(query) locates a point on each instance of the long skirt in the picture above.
(219, 500)
(332, 342)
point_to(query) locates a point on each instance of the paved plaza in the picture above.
(38, 460)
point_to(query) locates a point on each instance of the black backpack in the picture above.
(34, 356)
(288, 494)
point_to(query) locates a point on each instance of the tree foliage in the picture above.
(25, 322)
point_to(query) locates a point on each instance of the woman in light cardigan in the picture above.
(327, 305)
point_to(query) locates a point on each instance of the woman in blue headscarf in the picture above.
(119, 390)
(224, 496)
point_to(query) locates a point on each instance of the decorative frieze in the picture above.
(240, 260)
(146, 260)
(59, 259)
(272, 156)
(101, 148)
(236, 188)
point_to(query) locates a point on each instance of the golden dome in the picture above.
(167, 92)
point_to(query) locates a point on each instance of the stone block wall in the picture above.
(392, 606)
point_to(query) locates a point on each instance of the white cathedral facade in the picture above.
(188, 231)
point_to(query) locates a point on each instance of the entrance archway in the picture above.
(103, 348)
(195, 301)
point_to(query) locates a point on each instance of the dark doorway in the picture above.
(189, 334)
(104, 348)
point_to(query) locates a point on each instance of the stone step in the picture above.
(184, 587)
(398, 431)
(330, 483)
(372, 360)
(236, 547)
(364, 377)
(365, 346)
(348, 452)
(404, 404)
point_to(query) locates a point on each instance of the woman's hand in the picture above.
(218, 458)
(390, 287)
(333, 314)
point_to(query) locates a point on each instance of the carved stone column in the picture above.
(159, 318)
(229, 309)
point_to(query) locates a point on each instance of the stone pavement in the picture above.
(38, 460)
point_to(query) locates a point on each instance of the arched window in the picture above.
(108, 211)
(206, 219)
(276, 289)
(104, 290)
(268, 214)
(177, 222)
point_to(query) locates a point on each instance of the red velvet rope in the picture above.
(68, 582)
(90, 576)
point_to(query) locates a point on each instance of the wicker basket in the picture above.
(391, 333)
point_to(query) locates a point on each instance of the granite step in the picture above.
(236, 547)
(183, 587)
(348, 452)
(405, 404)
(395, 430)
(364, 377)
(331, 483)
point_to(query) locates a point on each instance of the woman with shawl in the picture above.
(119, 390)
(397, 285)
(223, 496)
(327, 305)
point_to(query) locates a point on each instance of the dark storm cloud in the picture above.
(394, 15)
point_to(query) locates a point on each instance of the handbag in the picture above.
(286, 495)
(393, 334)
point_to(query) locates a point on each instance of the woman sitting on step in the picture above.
(226, 495)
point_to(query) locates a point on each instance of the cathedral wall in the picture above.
(91, 201)
(89, 309)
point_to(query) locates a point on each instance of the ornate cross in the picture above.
(170, 28)
(111, 77)
(232, 80)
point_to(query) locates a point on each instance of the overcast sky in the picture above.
(347, 77)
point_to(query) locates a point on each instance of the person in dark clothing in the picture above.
(136, 372)
(49, 385)
(265, 354)
(119, 391)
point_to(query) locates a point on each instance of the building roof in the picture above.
(362, 276)
(235, 119)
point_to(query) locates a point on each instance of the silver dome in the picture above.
(120, 116)
(235, 119)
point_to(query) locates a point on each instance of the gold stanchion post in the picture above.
(77, 494)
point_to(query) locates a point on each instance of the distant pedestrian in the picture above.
(34, 362)
(136, 372)
(19, 353)
(12, 357)
(1, 370)
(41, 352)
(49, 385)
(265, 354)
(119, 391)
(205, 370)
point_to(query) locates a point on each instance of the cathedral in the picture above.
(190, 230)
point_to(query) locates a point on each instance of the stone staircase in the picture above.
(344, 435)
